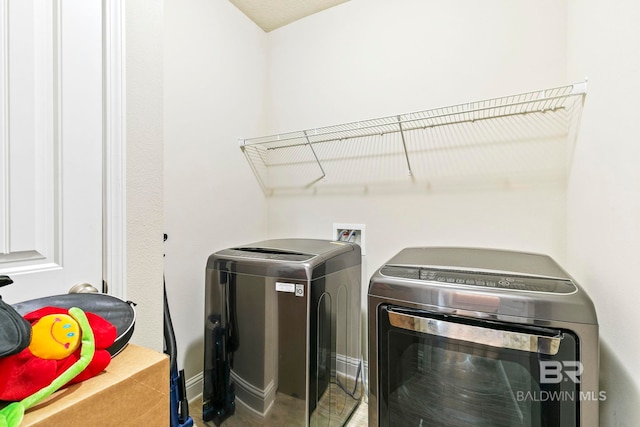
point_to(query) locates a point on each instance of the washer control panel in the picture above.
(481, 279)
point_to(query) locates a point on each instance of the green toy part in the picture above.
(12, 415)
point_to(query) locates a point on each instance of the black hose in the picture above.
(169, 335)
(355, 387)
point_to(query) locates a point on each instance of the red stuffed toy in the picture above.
(55, 346)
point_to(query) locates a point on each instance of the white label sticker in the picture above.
(285, 287)
(299, 290)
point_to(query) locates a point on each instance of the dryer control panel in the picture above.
(503, 281)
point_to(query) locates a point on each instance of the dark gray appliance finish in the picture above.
(295, 316)
(460, 334)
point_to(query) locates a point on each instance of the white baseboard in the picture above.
(194, 384)
(194, 387)
(347, 365)
(252, 397)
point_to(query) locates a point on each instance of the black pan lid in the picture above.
(121, 314)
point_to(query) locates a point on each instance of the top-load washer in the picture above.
(282, 331)
(479, 337)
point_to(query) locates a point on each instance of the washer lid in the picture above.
(255, 252)
(302, 259)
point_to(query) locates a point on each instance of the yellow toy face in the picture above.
(55, 336)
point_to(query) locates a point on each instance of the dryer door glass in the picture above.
(449, 371)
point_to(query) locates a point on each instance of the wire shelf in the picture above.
(508, 135)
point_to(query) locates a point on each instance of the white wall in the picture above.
(215, 70)
(604, 192)
(144, 167)
(370, 58)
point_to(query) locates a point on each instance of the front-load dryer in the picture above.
(482, 337)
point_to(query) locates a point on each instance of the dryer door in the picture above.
(453, 371)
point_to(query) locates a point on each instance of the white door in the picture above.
(51, 133)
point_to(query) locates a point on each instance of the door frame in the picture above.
(114, 221)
